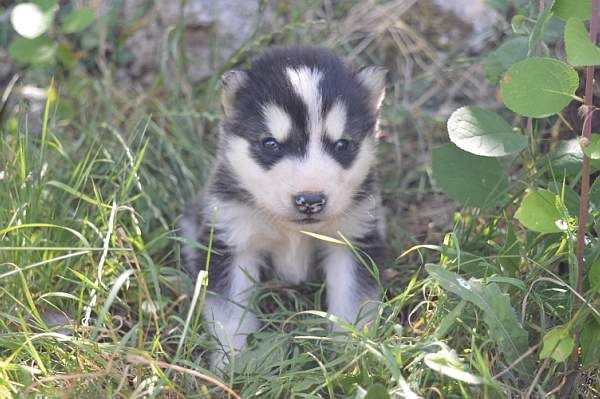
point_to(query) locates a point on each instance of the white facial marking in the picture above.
(335, 121)
(305, 82)
(278, 121)
(317, 172)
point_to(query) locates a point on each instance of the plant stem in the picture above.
(586, 135)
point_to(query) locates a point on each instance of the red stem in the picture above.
(586, 134)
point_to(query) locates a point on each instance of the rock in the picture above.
(476, 13)
(213, 31)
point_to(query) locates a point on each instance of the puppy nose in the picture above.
(310, 203)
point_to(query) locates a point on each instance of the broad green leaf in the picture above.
(592, 150)
(485, 133)
(554, 31)
(594, 277)
(47, 5)
(580, 49)
(538, 87)
(538, 212)
(590, 343)
(498, 61)
(40, 50)
(78, 20)
(29, 20)
(498, 314)
(515, 282)
(377, 391)
(470, 179)
(557, 344)
(566, 9)
(567, 158)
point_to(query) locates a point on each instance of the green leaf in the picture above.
(377, 391)
(566, 9)
(592, 150)
(470, 179)
(567, 158)
(498, 314)
(485, 133)
(47, 5)
(538, 87)
(590, 343)
(594, 276)
(554, 31)
(498, 61)
(78, 20)
(40, 50)
(538, 212)
(580, 49)
(538, 30)
(557, 344)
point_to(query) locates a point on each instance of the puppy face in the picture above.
(299, 132)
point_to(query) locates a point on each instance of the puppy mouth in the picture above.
(307, 220)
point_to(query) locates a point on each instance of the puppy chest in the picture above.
(293, 259)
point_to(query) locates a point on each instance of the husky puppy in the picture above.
(296, 153)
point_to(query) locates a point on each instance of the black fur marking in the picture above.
(373, 245)
(220, 261)
(226, 187)
(345, 158)
(367, 189)
(268, 82)
(195, 258)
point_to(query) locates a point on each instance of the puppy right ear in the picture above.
(231, 81)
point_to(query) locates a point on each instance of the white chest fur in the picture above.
(292, 257)
(256, 234)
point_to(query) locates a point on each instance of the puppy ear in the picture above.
(372, 78)
(231, 81)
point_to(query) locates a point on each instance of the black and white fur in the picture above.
(297, 153)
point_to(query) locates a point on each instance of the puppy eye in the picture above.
(341, 145)
(270, 144)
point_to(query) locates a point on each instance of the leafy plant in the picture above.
(42, 38)
(536, 84)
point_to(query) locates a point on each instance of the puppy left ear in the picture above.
(231, 81)
(372, 78)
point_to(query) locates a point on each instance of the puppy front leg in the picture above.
(352, 291)
(226, 310)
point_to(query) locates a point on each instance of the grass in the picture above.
(93, 299)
